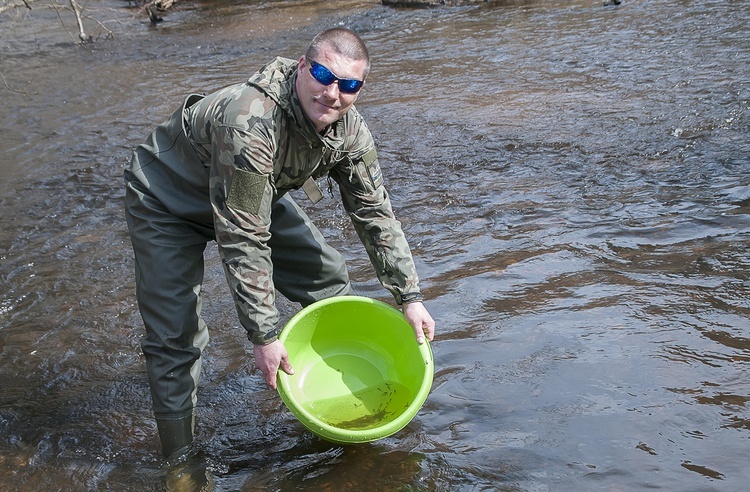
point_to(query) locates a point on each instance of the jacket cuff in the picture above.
(259, 338)
(408, 297)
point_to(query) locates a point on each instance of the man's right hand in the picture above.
(268, 358)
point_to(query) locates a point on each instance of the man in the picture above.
(219, 169)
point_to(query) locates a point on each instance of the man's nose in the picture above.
(332, 90)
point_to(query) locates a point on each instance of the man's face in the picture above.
(326, 104)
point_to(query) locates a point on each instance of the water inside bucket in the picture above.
(367, 408)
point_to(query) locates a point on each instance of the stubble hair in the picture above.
(342, 41)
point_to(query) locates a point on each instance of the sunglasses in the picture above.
(326, 77)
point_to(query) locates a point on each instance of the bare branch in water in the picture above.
(5, 82)
(81, 33)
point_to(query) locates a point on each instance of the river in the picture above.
(574, 179)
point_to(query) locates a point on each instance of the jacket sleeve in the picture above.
(241, 196)
(368, 204)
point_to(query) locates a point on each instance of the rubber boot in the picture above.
(186, 469)
(176, 436)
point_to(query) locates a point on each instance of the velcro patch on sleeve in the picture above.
(370, 156)
(246, 193)
(370, 160)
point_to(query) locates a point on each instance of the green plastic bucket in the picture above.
(360, 374)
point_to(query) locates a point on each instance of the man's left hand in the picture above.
(418, 317)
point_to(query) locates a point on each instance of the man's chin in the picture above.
(327, 119)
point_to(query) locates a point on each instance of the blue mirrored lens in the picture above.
(322, 74)
(349, 85)
(326, 77)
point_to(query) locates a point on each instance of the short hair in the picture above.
(344, 42)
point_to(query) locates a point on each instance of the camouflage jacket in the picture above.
(258, 145)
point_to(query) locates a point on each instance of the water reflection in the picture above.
(576, 182)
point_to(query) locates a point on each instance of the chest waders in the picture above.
(170, 222)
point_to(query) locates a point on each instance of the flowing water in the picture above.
(575, 182)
